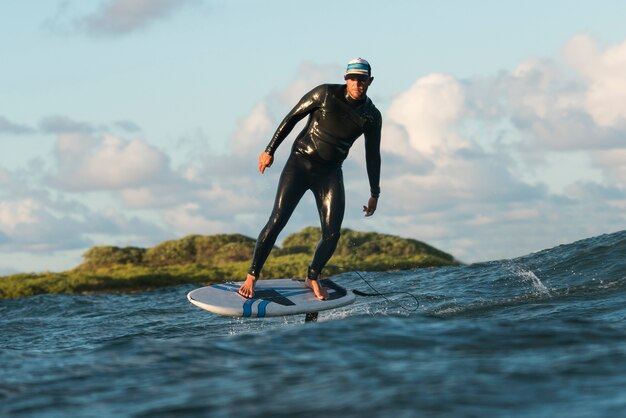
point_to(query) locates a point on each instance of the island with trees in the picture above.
(203, 260)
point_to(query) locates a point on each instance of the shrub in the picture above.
(98, 257)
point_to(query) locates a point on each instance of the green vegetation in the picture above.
(218, 258)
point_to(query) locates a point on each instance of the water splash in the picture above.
(529, 276)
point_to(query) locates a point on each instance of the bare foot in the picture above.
(247, 288)
(318, 289)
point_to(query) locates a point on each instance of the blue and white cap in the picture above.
(358, 68)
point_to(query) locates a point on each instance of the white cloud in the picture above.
(119, 17)
(189, 218)
(538, 86)
(40, 224)
(604, 70)
(566, 106)
(107, 162)
(254, 130)
(149, 197)
(613, 165)
(428, 112)
(308, 76)
(37, 220)
(16, 213)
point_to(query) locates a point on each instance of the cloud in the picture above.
(253, 130)
(428, 111)
(5, 177)
(127, 126)
(17, 213)
(58, 124)
(191, 218)
(613, 165)
(120, 17)
(106, 162)
(575, 105)
(605, 98)
(308, 75)
(12, 128)
(154, 196)
(37, 223)
(37, 220)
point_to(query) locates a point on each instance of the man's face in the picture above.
(357, 87)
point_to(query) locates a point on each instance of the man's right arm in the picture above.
(306, 105)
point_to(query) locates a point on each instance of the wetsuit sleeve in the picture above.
(372, 152)
(309, 102)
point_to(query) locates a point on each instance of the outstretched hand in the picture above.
(371, 206)
(265, 160)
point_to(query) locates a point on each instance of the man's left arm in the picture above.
(373, 160)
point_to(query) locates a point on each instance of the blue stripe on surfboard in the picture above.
(247, 307)
(262, 306)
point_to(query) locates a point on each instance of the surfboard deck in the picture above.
(276, 297)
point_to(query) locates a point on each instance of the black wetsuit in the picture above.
(335, 122)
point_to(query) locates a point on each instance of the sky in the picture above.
(131, 122)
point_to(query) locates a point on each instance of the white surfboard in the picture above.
(276, 297)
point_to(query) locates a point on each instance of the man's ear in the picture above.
(370, 81)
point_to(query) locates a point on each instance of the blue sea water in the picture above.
(538, 336)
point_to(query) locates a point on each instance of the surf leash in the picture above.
(385, 294)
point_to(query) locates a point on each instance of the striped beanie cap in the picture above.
(358, 68)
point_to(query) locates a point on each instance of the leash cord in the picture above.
(385, 294)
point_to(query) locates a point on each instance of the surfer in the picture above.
(338, 115)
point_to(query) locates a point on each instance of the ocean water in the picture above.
(538, 336)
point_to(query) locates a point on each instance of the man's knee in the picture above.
(331, 237)
(277, 222)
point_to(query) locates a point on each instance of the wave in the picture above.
(590, 272)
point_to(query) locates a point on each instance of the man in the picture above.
(338, 115)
